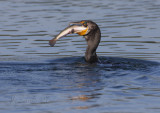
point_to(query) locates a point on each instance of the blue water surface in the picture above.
(37, 78)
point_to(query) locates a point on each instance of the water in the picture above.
(37, 78)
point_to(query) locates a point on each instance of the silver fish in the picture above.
(69, 30)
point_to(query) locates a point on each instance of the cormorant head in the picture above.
(90, 26)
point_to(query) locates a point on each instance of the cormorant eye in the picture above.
(85, 24)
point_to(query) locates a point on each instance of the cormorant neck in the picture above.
(93, 38)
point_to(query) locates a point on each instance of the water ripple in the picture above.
(56, 78)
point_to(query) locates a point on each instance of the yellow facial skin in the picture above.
(83, 32)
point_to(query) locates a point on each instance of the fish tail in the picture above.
(52, 42)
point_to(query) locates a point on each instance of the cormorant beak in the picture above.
(83, 32)
(75, 23)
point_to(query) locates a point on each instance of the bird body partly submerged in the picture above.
(90, 31)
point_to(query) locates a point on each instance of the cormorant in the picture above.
(90, 31)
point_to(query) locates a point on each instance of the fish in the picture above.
(69, 30)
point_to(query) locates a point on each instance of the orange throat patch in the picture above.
(83, 32)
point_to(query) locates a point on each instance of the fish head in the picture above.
(84, 27)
